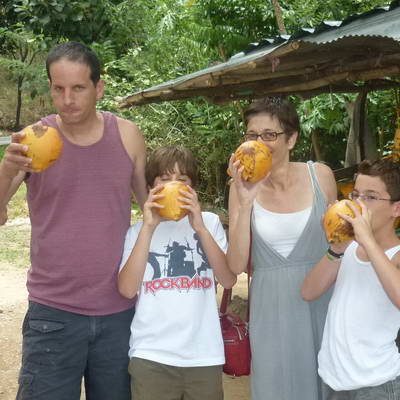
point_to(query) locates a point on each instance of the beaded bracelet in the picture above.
(333, 256)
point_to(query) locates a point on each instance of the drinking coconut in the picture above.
(172, 209)
(336, 228)
(44, 145)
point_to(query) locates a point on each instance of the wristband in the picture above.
(331, 255)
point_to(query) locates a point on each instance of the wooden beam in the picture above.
(344, 173)
(224, 96)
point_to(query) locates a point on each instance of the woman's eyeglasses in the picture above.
(365, 197)
(267, 136)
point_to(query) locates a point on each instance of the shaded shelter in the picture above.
(359, 54)
(362, 51)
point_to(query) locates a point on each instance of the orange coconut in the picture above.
(336, 228)
(256, 159)
(172, 209)
(44, 145)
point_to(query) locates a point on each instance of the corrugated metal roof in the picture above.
(335, 56)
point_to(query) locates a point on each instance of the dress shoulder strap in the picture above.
(318, 193)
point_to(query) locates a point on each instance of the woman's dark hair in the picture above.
(163, 160)
(77, 52)
(387, 170)
(279, 108)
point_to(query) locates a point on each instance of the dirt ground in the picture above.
(12, 309)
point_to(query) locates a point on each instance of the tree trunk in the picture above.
(361, 144)
(316, 145)
(279, 17)
(19, 104)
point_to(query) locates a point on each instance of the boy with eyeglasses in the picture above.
(358, 356)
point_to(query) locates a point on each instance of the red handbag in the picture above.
(235, 333)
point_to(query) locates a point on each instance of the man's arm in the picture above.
(135, 145)
(13, 167)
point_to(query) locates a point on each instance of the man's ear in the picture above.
(100, 89)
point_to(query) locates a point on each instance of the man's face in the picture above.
(73, 93)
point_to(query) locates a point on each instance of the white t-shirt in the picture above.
(358, 346)
(176, 320)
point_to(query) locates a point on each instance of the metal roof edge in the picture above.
(326, 25)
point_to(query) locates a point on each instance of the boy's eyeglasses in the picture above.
(365, 197)
(267, 136)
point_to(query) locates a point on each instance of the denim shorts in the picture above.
(387, 391)
(59, 348)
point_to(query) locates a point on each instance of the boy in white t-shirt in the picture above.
(176, 348)
(358, 356)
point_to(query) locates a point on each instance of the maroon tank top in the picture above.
(80, 212)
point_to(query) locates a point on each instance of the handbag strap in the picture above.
(227, 293)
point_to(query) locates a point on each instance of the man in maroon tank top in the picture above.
(77, 324)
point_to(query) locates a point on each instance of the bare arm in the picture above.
(322, 276)
(388, 271)
(239, 233)
(131, 275)
(13, 167)
(135, 145)
(327, 182)
(241, 198)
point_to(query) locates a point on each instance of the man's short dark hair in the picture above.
(163, 160)
(77, 52)
(387, 170)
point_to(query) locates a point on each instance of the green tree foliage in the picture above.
(19, 50)
(117, 22)
(144, 43)
(233, 24)
(79, 20)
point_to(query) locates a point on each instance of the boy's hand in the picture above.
(336, 247)
(361, 223)
(151, 218)
(192, 204)
(14, 159)
(246, 191)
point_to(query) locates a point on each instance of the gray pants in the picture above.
(387, 391)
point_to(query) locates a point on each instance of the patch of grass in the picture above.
(17, 207)
(15, 235)
(14, 244)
